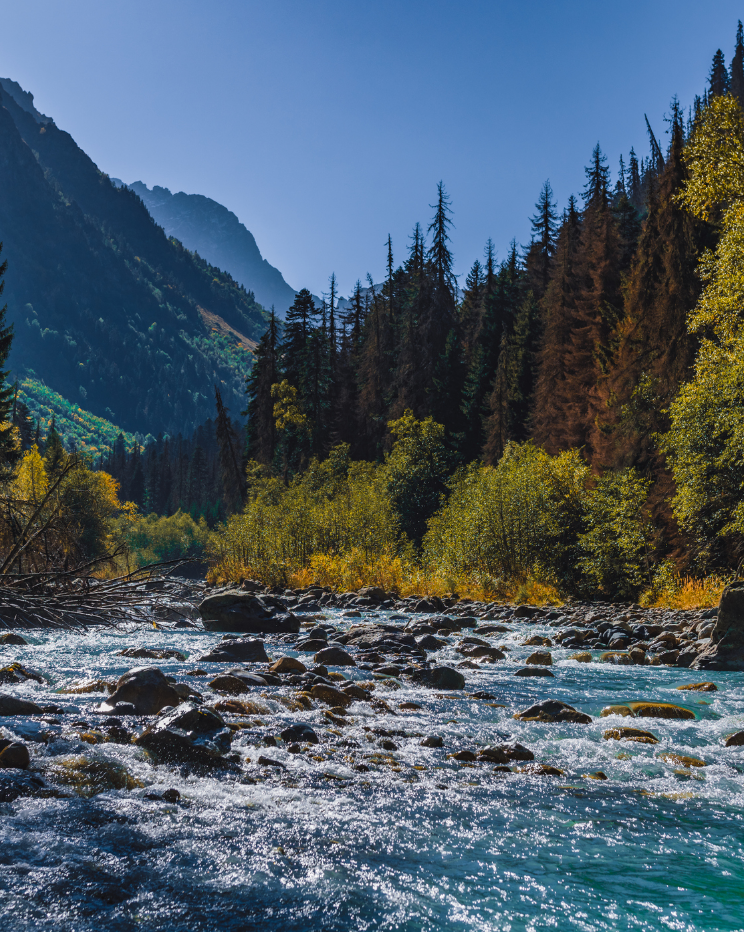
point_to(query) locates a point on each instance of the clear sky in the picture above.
(326, 124)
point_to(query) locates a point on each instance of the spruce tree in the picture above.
(736, 83)
(550, 421)
(544, 226)
(719, 78)
(634, 185)
(231, 472)
(261, 428)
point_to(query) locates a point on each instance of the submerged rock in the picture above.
(551, 710)
(533, 671)
(701, 687)
(91, 777)
(726, 648)
(330, 695)
(16, 783)
(242, 612)
(237, 650)
(146, 688)
(189, 733)
(234, 685)
(682, 760)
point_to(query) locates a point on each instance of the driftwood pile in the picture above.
(65, 600)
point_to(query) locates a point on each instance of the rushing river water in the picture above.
(415, 842)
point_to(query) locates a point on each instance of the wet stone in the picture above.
(146, 688)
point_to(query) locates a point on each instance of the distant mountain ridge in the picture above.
(207, 227)
(108, 311)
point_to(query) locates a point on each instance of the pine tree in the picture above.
(544, 225)
(551, 428)
(736, 83)
(55, 455)
(261, 428)
(231, 472)
(719, 78)
(300, 323)
(21, 418)
(634, 185)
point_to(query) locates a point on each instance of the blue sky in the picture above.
(325, 125)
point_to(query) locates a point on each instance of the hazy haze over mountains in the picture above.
(209, 228)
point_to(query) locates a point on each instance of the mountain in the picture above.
(206, 227)
(108, 311)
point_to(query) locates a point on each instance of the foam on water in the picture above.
(419, 842)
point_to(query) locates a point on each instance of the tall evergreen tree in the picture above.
(736, 82)
(544, 227)
(719, 79)
(231, 472)
(261, 428)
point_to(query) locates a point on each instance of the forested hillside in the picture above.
(213, 231)
(108, 311)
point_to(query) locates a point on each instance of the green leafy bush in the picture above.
(156, 539)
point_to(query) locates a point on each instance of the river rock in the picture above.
(541, 658)
(313, 645)
(14, 754)
(10, 637)
(356, 692)
(146, 688)
(17, 673)
(440, 678)
(533, 671)
(630, 734)
(735, 741)
(481, 650)
(537, 641)
(16, 783)
(189, 733)
(12, 705)
(147, 653)
(373, 592)
(288, 665)
(582, 657)
(433, 741)
(682, 760)
(540, 770)
(659, 710)
(334, 657)
(330, 695)
(515, 751)
(430, 642)
(235, 685)
(301, 733)
(243, 612)
(237, 650)
(493, 756)
(552, 710)
(726, 648)
(701, 687)
(623, 710)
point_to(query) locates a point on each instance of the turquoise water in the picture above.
(418, 841)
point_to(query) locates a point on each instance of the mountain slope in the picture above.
(206, 227)
(108, 311)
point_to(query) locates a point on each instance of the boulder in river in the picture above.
(552, 710)
(700, 687)
(659, 710)
(188, 733)
(300, 733)
(146, 688)
(17, 673)
(147, 653)
(10, 637)
(12, 705)
(630, 734)
(726, 648)
(15, 783)
(330, 695)
(288, 665)
(335, 657)
(533, 671)
(440, 678)
(13, 754)
(735, 741)
(237, 650)
(542, 658)
(244, 613)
